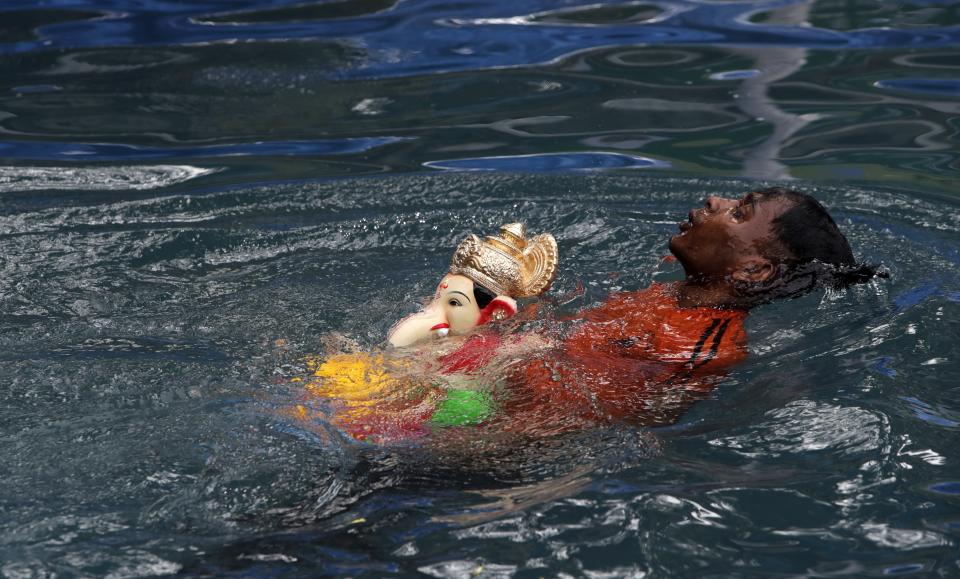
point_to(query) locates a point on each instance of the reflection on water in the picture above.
(830, 95)
(173, 245)
(548, 162)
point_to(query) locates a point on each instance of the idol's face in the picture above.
(728, 237)
(453, 310)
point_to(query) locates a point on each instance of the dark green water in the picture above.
(194, 196)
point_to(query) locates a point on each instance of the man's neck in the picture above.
(707, 294)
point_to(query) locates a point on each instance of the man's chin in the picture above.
(676, 248)
(675, 245)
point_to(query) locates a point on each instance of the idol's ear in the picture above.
(754, 270)
(501, 307)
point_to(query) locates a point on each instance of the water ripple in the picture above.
(34, 150)
(532, 31)
(138, 178)
(584, 161)
(935, 86)
(712, 88)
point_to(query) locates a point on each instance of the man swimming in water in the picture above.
(641, 357)
(644, 356)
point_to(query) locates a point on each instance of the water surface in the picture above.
(193, 197)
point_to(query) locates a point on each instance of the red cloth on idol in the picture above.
(472, 356)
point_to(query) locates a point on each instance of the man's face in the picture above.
(727, 237)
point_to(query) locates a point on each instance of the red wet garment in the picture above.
(472, 356)
(639, 356)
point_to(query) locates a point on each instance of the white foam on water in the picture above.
(137, 178)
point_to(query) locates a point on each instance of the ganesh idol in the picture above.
(438, 369)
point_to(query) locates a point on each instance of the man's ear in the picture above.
(754, 270)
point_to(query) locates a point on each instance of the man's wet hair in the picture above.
(817, 252)
(806, 230)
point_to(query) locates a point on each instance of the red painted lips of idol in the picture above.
(440, 326)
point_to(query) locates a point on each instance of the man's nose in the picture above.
(715, 204)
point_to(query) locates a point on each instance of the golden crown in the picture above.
(509, 263)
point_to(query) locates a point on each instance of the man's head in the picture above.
(759, 238)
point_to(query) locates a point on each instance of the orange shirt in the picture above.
(639, 356)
